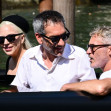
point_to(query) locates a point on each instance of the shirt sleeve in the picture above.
(85, 70)
(106, 74)
(20, 79)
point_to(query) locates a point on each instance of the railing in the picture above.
(53, 101)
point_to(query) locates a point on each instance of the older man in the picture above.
(99, 51)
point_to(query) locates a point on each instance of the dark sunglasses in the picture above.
(10, 37)
(55, 39)
(99, 46)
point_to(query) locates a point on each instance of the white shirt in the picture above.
(106, 74)
(33, 75)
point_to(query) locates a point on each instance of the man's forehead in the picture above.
(95, 35)
(95, 38)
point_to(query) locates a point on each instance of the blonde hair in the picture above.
(26, 44)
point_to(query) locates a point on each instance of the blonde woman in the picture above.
(13, 40)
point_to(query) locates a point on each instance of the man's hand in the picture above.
(12, 89)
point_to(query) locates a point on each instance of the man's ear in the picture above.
(39, 38)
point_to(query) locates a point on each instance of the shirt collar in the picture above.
(67, 54)
(36, 53)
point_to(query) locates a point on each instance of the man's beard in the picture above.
(50, 50)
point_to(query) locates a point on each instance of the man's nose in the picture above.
(61, 42)
(88, 51)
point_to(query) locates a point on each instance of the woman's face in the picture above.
(11, 48)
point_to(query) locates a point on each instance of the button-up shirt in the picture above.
(106, 74)
(33, 75)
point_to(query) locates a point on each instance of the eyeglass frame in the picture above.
(6, 37)
(67, 34)
(92, 46)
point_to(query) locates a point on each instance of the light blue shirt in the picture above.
(33, 75)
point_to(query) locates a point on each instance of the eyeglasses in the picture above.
(55, 39)
(99, 46)
(10, 37)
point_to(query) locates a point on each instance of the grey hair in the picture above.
(42, 19)
(26, 44)
(103, 32)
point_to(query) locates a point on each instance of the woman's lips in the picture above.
(8, 49)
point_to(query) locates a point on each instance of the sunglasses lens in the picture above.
(1, 40)
(11, 38)
(87, 46)
(55, 39)
(64, 37)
